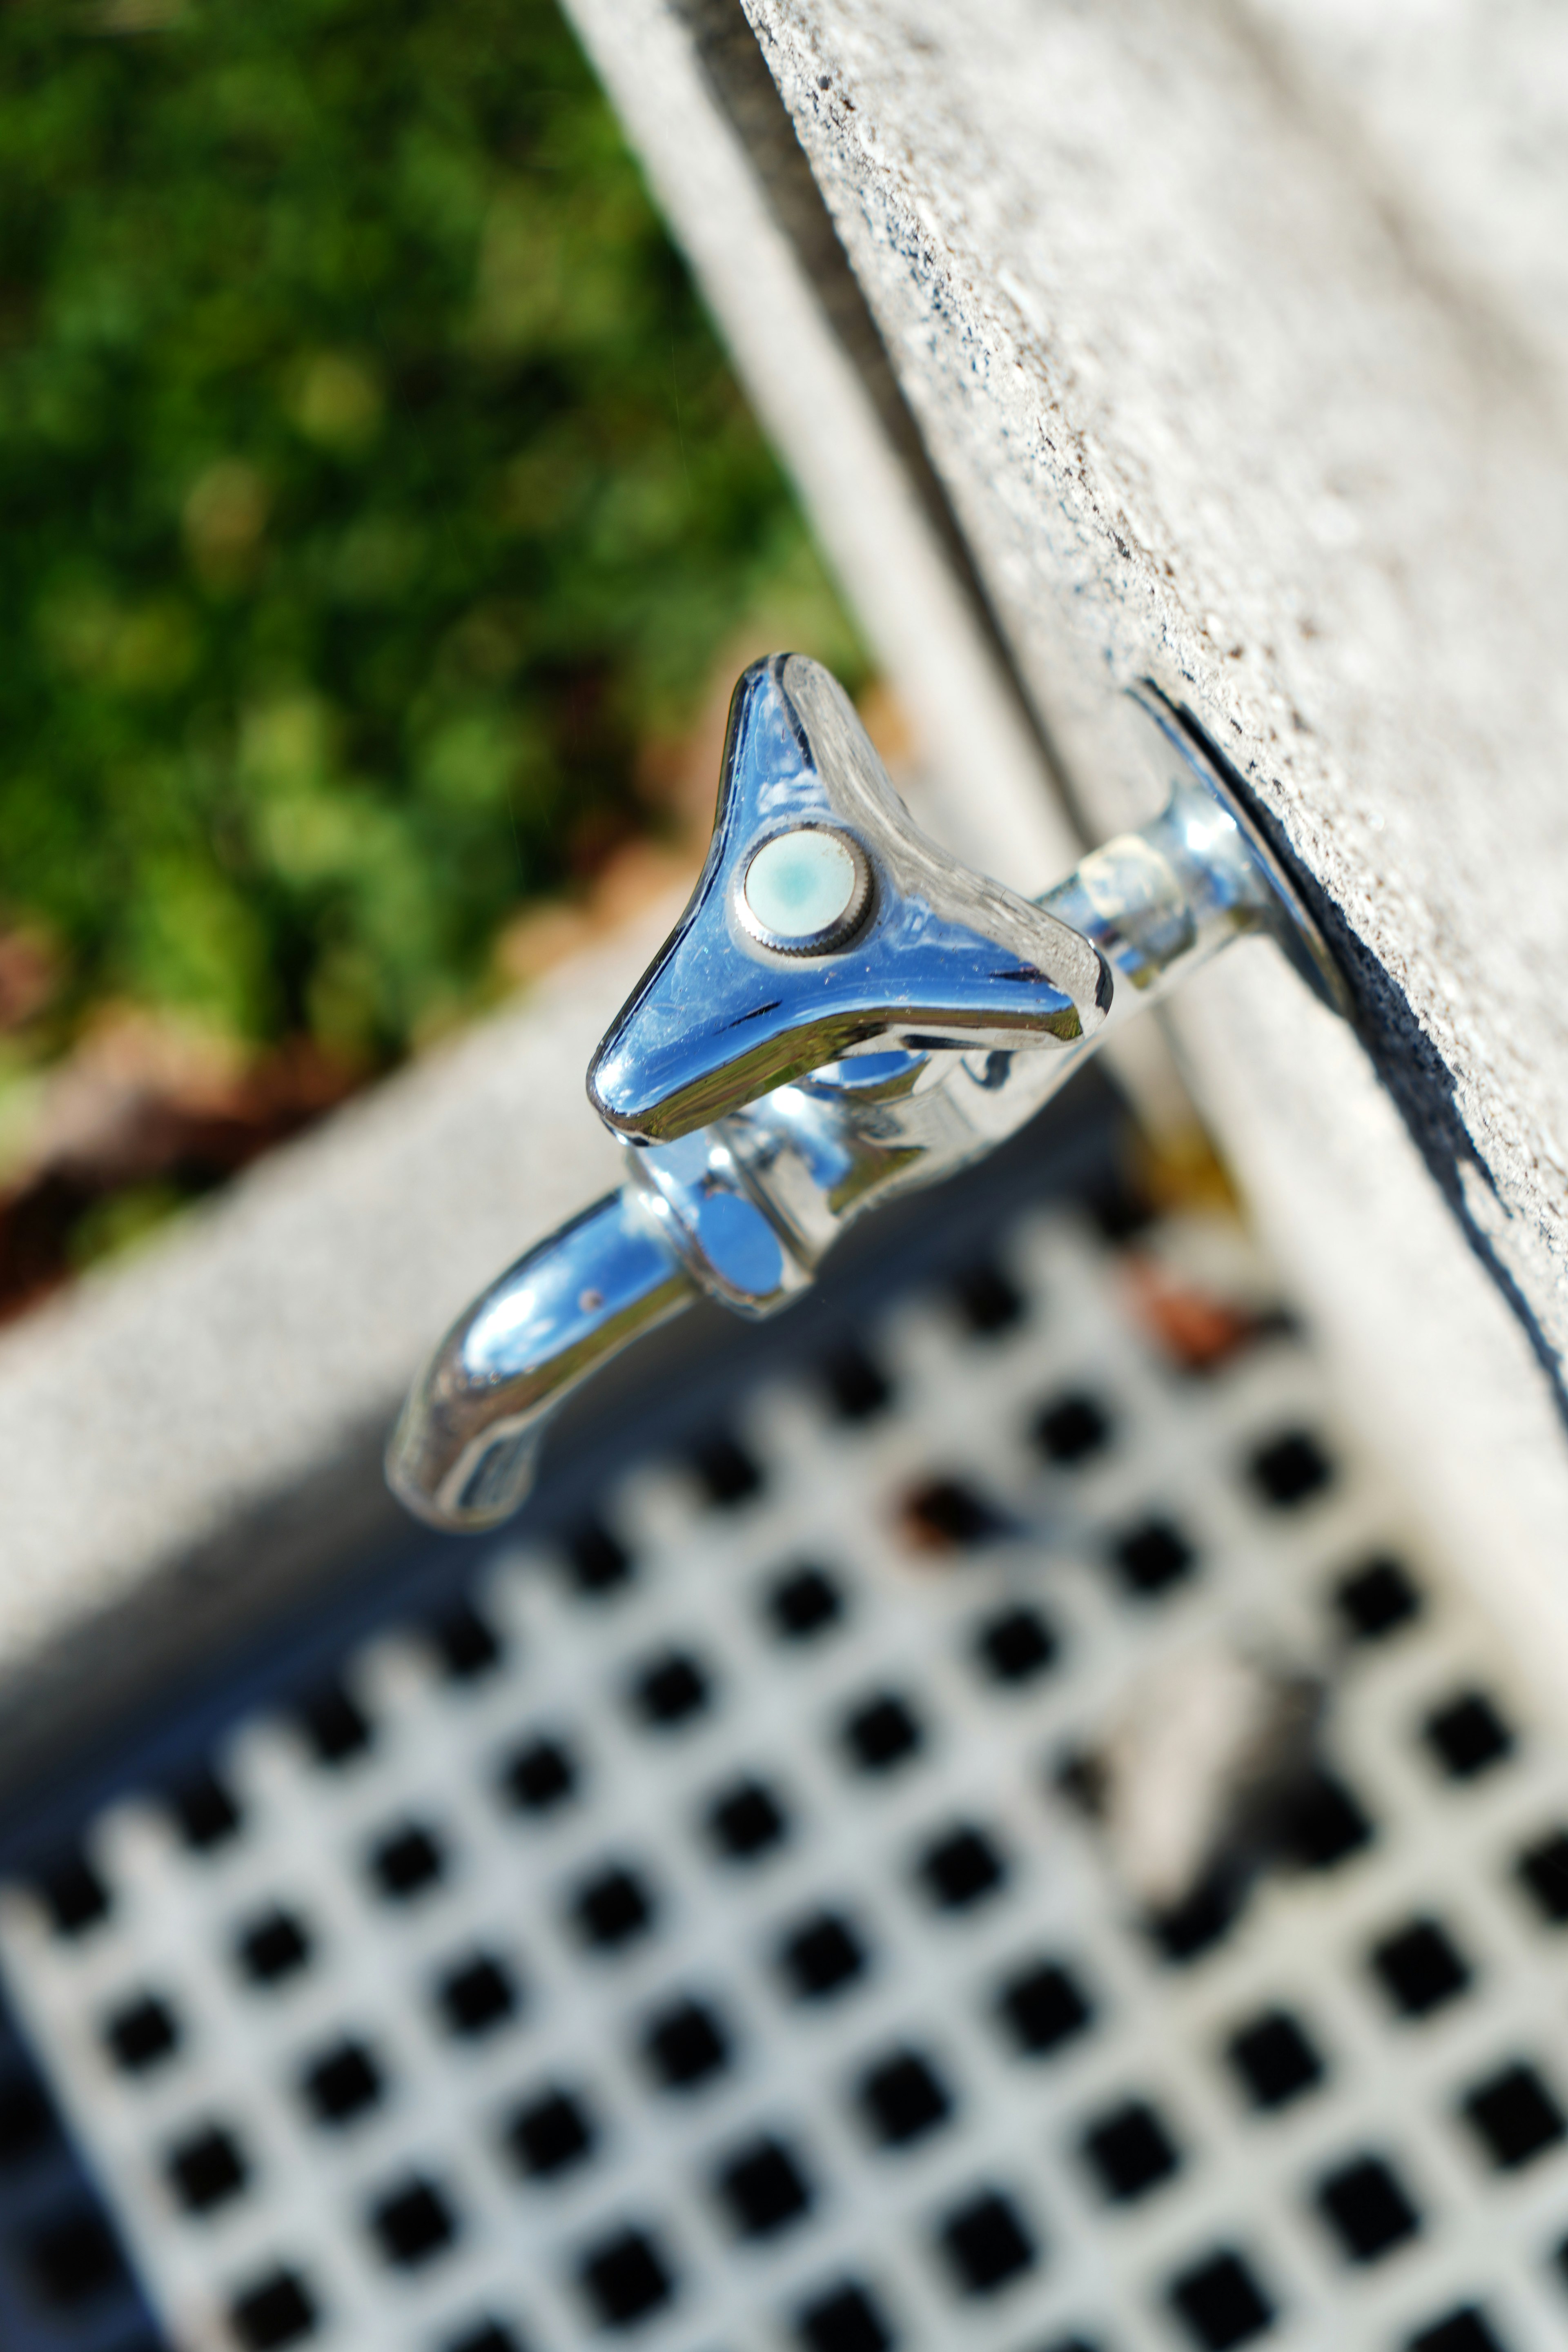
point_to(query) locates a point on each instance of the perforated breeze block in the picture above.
(694, 1935)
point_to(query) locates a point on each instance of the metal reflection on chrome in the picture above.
(870, 1020)
(941, 957)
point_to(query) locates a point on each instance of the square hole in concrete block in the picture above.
(1275, 2059)
(1221, 2303)
(903, 2097)
(987, 2243)
(1367, 2207)
(686, 2044)
(1130, 2150)
(1420, 1967)
(1515, 2117)
(764, 2186)
(847, 2317)
(625, 2277)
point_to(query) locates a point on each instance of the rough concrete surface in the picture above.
(1217, 381)
(1198, 414)
(1226, 381)
(1459, 109)
(163, 1403)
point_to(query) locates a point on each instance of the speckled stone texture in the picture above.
(1217, 395)
(1199, 413)
(1459, 111)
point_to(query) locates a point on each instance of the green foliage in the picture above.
(372, 481)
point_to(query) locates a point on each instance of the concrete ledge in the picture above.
(207, 1421)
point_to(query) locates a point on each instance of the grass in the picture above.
(374, 485)
(375, 491)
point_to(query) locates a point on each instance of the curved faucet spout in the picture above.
(462, 1453)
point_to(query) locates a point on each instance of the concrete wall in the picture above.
(1220, 375)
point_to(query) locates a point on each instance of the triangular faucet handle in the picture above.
(825, 920)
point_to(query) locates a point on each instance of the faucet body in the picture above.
(950, 1015)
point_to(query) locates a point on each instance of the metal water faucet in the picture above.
(844, 1012)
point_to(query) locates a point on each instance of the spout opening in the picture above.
(462, 1456)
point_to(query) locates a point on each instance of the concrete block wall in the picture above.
(1221, 375)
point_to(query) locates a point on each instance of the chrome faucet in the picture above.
(843, 1013)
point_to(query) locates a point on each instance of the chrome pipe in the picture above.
(462, 1453)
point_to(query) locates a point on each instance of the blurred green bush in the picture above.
(373, 483)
